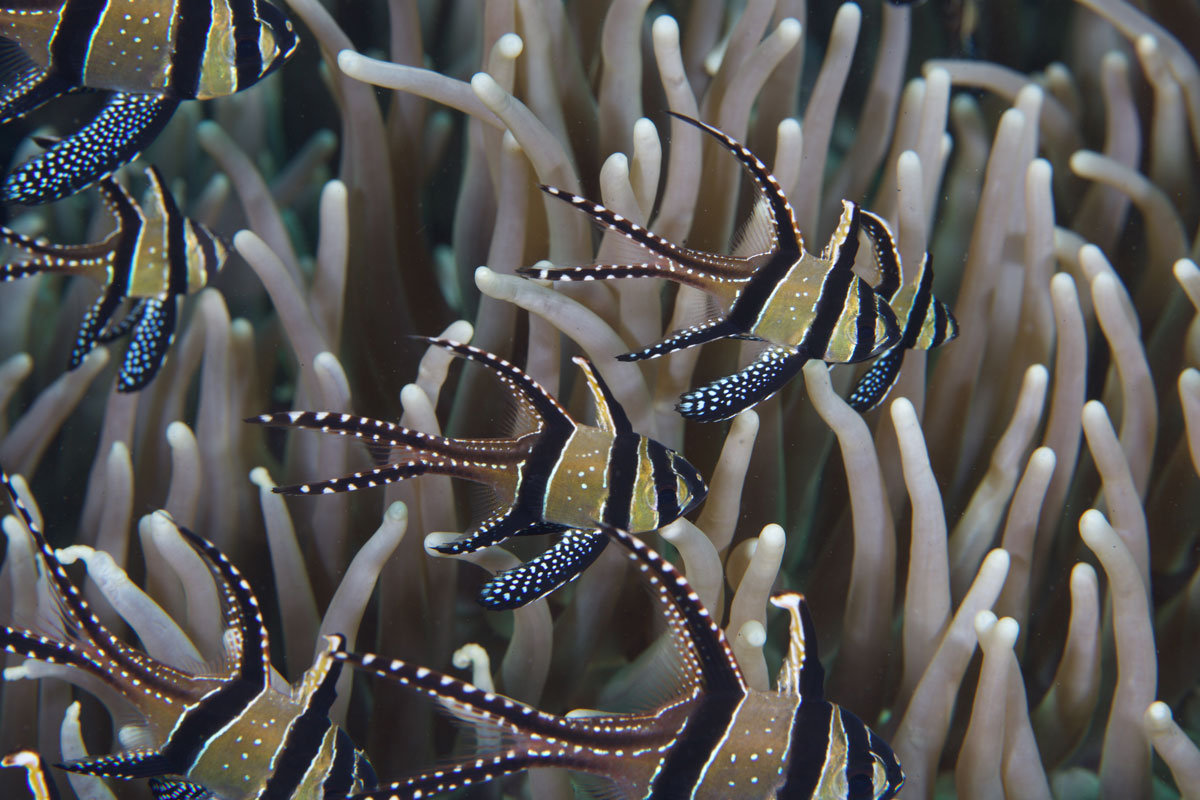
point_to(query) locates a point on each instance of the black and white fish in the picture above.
(562, 477)
(153, 258)
(227, 733)
(801, 305)
(148, 55)
(715, 739)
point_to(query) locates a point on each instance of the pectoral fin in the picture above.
(152, 337)
(562, 563)
(168, 789)
(728, 397)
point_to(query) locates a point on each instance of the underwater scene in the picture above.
(601, 399)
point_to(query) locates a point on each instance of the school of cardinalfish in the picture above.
(227, 732)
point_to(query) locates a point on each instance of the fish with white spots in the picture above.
(562, 477)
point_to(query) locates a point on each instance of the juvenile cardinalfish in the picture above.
(802, 306)
(562, 477)
(227, 733)
(716, 739)
(148, 55)
(153, 257)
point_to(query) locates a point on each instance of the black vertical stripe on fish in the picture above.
(834, 289)
(665, 483)
(918, 316)
(341, 771)
(131, 223)
(807, 764)
(859, 762)
(305, 735)
(622, 474)
(941, 323)
(864, 321)
(682, 770)
(533, 486)
(246, 30)
(753, 298)
(72, 40)
(812, 675)
(177, 247)
(191, 42)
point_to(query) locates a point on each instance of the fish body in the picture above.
(716, 739)
(149, 54)
(800, 305)
(153, 258)
(229, 734)
(563, 477)
(182, 48)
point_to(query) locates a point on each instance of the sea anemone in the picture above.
(1032, 491)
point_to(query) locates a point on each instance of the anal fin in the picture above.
(122, 129)
(727, 397)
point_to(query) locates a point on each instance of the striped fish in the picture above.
(228, 734)
(155, 256)
(803, 306)
(717, 739)
(562, 477)
(148, 55)
(925, 321)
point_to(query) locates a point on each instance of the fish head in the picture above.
(206, 255)
(277, 40)
(869, 768)
(690, 487)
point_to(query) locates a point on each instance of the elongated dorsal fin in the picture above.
(801, 674)
(609, 413)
